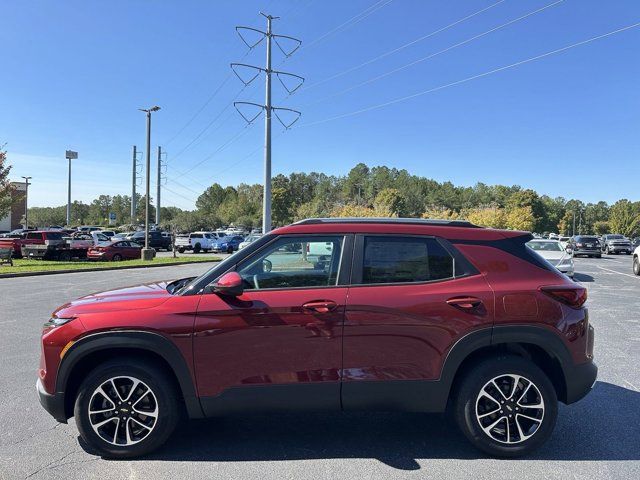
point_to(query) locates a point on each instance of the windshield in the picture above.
(545, 246)
(615, 237)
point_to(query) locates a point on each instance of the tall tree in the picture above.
(6, 189)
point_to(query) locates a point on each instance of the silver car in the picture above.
(554, 253)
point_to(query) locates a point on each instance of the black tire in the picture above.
(165, 396)
(229, 249)
(196, 248)
(64, 257)
(467, 394)
(636, 265)
(116, 258)
(598, 256)
(180, 250)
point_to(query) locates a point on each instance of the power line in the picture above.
(474, 77)
(352, 21)
(204, 105)
(401, 47)
(219, 149)
(432, 55)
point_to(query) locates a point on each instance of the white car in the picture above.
(636, 261)
(248, 240)
(196, 241)
(564, 241)
(554, 253)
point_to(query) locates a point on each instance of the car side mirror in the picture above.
(229, 284)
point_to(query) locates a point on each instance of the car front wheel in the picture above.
(636, 265)
(506, 406)
(126, 409)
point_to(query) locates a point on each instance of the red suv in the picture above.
(331, 314)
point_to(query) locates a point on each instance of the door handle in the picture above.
(465, 303)
(320, 306)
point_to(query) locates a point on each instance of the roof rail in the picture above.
(404, 221)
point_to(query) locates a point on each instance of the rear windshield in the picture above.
(586, 239)
(615, 237)
(54, 236)
(196, 235)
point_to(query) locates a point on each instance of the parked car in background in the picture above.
(30, 237)
(405, 315)
(115, 251)
(615, 243)
(17, 233)
(564, 241)
(87, 228)
(587, 245)
(196, 242)
(248, 240)
(156, 240)
(554, 253)
(107, 233)
(227, 244)
(86, 239)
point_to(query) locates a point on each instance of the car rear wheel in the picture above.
(506, 406)
(196, 248)
(117, 257)
(181, 250)
(126, 409)
(64, 257)
(636, 265)
(230, 249)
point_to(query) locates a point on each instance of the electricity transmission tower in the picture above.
(267, 107)
(160, 180)
(136, 175)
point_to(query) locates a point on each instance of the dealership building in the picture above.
(12, 221)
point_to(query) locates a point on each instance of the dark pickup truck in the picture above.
(37, 237)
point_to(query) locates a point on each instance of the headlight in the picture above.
(57, 321)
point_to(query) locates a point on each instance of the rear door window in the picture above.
(397, 259)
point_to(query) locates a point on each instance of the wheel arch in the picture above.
(90, 351)
(537, 344)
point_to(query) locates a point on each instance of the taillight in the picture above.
(572, 296)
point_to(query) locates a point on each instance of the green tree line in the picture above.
(365, 191)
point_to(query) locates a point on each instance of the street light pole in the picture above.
(148, 253)
(70, 155)
(26, 201)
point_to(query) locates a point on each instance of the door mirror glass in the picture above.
(229, 284)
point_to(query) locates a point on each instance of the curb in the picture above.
(94, 269)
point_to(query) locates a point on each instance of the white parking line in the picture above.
(619, 273)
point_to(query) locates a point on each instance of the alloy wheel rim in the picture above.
(123, 411)
(510, 408)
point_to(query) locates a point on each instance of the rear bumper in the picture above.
(52, 403)
(580, 380)
(584, 251)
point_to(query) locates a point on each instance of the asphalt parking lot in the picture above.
(597, 437)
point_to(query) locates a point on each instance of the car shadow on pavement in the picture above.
(603, 426)
(582, 277)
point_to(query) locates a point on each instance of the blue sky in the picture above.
(75, 72)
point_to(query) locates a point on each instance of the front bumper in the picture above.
(620, 248)
(52, 403)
